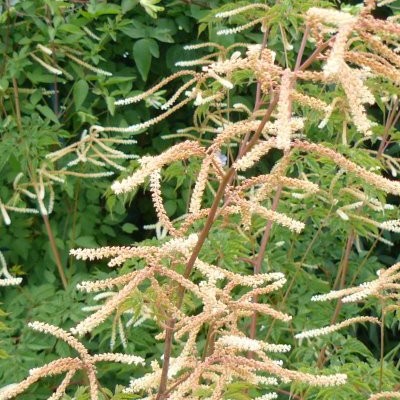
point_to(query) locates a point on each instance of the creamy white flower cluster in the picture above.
(150, 164)
(333, 328)
(247, 344)
(8, 279)
(267, 396)
(382, 286)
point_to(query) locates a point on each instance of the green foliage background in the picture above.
(139, 42)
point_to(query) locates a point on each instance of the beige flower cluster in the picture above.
(224, 360)
(387, 285)
(69, 366)
(380, 60)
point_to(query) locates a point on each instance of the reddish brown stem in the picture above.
(315, 54)
(290, 394)
(203, 235)
(302, 48)
(382, 344)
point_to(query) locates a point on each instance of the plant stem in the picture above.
(17, 106)
(382, 348)
(49, 231)
(290, 394)
(390, 122)
(345, 262)
(54, 249)
(221, 190)
(202, 238)
(363, 262)
(53, 246)
(209, 345)
(302, 48)
(260, 257)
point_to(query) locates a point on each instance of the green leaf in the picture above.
(162, 35)
(110, 202)
(134, 32)
(170, 207)
(129, 228)
(3, 85)
(99, 9)
(48, 113)
(86, 241)
(142, 56)
(80, 92)
(128, 5)
(118, 79)
(3, 326)
(110, 104)
(71, 28)
(86, 117)
(154, 49)
(3, 354)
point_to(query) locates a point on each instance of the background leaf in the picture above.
(142, 55)
(80, 92)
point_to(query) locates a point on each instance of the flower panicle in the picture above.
(238, 10)
(333, 328)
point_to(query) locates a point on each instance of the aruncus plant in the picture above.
(216, 345)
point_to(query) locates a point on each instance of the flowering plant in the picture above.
(218, 342)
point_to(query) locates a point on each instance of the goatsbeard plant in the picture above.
(205, 351)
